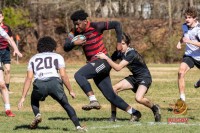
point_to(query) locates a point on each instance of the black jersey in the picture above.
(136, 64)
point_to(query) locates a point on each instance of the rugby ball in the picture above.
(82, 37)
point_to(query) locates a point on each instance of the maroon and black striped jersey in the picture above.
(3, 42)
(94, 38)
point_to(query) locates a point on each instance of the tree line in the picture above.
(32, 19)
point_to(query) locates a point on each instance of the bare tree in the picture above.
(39, 19)
(2, 3)
(170, 15)
(191, 3)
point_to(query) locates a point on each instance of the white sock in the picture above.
(38, 115)
(92, 98)
(78, 127)
(7, 106)
(130, 111)
(182, 96)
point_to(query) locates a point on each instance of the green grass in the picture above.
(163, 91)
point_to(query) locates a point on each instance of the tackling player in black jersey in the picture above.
(140, 80)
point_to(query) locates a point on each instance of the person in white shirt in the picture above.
(191, 38)
(45, 67)
(3, 88)
(5, 51)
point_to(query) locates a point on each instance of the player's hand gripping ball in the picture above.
(82, 37)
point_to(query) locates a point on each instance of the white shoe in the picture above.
(81, 129)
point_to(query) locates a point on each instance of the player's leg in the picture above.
(185, 66)
(35, 104)
(70, 111)
(56, 91)
(5, 95)
(197, 64)
(36, 111)
(104, 84)
(4, 91)
(38, 94)
(139, 96)
(141, 91)
(82, 76)
(7, 75)
(120, 86)
(6, 61)
(3, 88)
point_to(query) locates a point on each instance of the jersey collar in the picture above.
(127, 50)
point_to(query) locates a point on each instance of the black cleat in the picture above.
(157, 113)
(36, 121)
(92, 105)
(112, 119)
(197, 84)
(135, 116)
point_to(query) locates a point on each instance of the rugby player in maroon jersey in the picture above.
(96, 69)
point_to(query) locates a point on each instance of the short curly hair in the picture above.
(46, 44)
(191, 11)
(79, 15)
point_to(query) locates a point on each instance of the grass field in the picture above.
(163, 92)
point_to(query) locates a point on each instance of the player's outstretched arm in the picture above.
(66, 82)
(118, 29)
(13, 44)
(26, 87)
(114, 65)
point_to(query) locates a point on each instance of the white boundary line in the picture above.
(144, 124)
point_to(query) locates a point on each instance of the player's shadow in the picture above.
(28, 127)
(22, 127)
(88, 119)
(170, 109)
